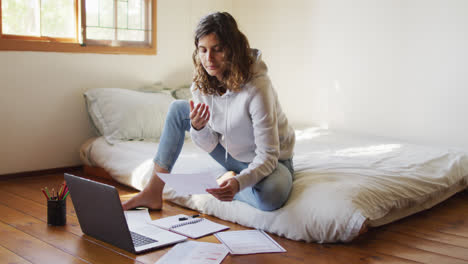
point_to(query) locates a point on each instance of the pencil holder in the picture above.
(56, 212)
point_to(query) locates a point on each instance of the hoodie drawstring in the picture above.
(226, 108)
(212, 111)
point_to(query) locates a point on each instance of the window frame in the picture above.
(48, 44)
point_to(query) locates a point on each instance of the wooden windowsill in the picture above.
(21, 45)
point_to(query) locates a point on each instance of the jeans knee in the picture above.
(271, 205)
(272, 198)
(179, 110)
(268, 207)
(179, 107)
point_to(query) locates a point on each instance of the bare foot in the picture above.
(144, 199)
(151, 196)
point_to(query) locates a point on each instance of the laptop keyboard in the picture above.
(139, 240)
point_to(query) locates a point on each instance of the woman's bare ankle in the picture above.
(158, 168)
(151, 196)
(144, 199)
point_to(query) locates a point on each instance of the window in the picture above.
(99, 26)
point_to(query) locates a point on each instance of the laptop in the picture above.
(101, 216)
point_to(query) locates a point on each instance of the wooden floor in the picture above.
(439, 235)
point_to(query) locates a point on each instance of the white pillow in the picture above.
(121, 114)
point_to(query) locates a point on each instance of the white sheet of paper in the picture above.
(185, 184)
(136, 218)
(193, 252)
(248, 242)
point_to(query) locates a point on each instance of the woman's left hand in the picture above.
(226, 191)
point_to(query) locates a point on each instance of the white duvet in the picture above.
(341, 181)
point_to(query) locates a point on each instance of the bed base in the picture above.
(102, 173)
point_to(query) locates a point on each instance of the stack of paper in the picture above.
(249, 242)
(192, 252)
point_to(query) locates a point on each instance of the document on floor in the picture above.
(193, 252)
(185, 184)
(137, 217)
(248, 242)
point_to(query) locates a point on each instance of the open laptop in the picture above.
(101, 216)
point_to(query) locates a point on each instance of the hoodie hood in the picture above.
(259, 67)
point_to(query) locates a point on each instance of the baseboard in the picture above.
(97, 172)
(40, 172)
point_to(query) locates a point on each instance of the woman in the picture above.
(237, 120)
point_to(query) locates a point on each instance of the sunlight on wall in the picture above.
(335, 104)
(368, 151)
(310, 133)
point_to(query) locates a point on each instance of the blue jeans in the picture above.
(269, 194)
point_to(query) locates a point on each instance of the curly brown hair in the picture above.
(237, 52)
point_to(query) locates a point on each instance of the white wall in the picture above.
(394, 68)
(42, 112)
(283, 31)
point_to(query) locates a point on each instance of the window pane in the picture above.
(58, 18)
(92, 13)
(100, 33)
(20, 17)
(136, 14)
(122, 11)
(100, 13)
(131, 35)
(100, 19)
(130, 22)
(106, 12)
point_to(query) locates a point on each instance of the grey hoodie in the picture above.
(249, 124)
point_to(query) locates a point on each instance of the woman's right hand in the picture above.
(199, 115)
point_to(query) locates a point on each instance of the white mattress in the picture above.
(341, 180)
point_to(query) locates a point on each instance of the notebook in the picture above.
(189, 226)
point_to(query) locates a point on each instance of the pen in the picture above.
(186, 218)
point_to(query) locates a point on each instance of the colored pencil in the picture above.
(60, 191)
(65, 195)
(64, 191)
(45, 194)
(47, 191)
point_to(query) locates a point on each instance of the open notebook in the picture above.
(188, 226)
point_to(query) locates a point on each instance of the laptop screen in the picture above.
(99, 211)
